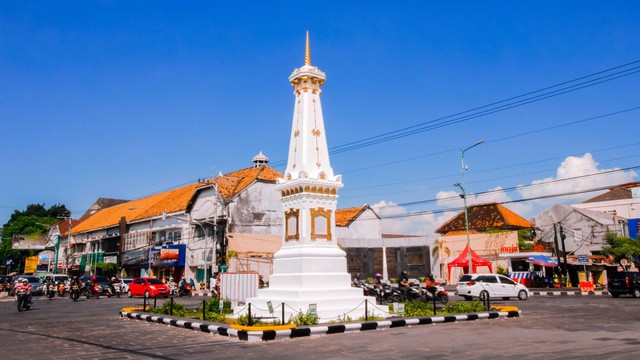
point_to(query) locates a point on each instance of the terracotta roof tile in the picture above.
(483, 217)
(344, 217)
(620, 192)
(175, 200)
(232, 184)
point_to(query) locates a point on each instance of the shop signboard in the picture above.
(169, 256)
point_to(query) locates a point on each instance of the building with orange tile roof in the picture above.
(493, 232)
(198, 215)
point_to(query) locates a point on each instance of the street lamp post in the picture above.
(463, 168)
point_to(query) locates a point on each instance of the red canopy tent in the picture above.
(463, 261)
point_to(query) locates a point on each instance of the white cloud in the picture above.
(583, 173)
(394, 221)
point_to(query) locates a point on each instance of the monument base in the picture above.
(311, 278)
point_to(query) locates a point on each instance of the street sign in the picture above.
(270, 306)
(583, 258)
(313, 309)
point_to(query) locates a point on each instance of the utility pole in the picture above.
(555, 241)
(564, 250)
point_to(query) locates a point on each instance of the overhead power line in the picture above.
(516, 101)
(440, 211)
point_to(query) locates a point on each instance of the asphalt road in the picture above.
(550, 328)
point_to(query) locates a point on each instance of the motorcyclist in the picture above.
(92, 285)
(114, 283)
(172, 285)
(23, 285)
(430, 283)
(403, 284)
(183, 287)
(49, 285)
(377, 280)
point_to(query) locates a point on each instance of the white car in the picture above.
(124, 285)
(490, 285)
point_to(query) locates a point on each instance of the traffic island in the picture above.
(266, 334)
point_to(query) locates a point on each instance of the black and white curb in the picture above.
(265, 335)
(569, 293)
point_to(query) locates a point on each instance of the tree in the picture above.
(33, 221)
(621, 247)
(441, 252)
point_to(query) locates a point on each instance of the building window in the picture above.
(415, 258)
(258, 217)
(320, 224)
(292, 224)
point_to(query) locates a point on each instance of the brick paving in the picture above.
(550, 328)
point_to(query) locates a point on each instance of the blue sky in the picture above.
(124, 99)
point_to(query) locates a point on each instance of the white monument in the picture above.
(310, 270)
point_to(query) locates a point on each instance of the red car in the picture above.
(148, 287)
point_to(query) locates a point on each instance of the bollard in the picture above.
(204, 307)
(433, 295)
(283, 314)
(144, 304)
(366, 310)
(249, 313)
(171, 307)
(155, 299)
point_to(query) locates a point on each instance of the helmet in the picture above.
(404, 273)
(93, 277)
(113, 278)
(25, 281)
(378, 275)
(75, 278)
(170, 279)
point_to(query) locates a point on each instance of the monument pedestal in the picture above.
(309, 274)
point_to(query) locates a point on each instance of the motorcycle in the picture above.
(74, 293)
(61, 289)
(184, 290)
(388, 294)
(23, 300)
(50, 290)
(114, 289)
(173, 289)
(438, 291)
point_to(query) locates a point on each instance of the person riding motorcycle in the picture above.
(430, 283)
(114, 284)
(172, 286)
(49, 285)
(23, 285)
(377, 281)
(403, 284)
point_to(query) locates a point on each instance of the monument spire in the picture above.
(307, 53)
(310, 270)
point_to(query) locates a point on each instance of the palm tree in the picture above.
(442, 252)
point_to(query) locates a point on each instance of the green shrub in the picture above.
(178, 309)
(213, 305)
(502, 270)
(304, 319)
(464, 307)
(416, 308)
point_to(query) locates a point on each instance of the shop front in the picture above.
(168, 261)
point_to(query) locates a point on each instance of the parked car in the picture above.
(490, 285)
(624, 282)
(124, 283)
(148, 287)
